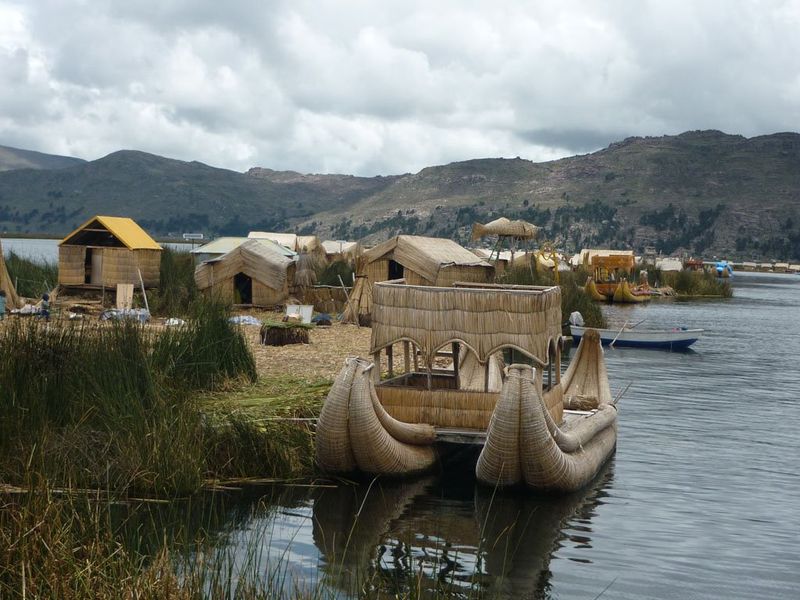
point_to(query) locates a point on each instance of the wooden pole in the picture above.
(390, 357)
(376, 372)
(416, 358)
(486, 375)
(455, 361)
(407, 356)
(141, 281)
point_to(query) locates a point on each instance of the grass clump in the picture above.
(177, 291)
(112, 407)
(32, 277)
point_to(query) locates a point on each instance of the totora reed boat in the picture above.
(533, 426)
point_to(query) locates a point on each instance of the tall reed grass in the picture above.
(112, 407)
(177, 291)
(32, 277)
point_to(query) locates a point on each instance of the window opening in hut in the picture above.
(87, 266)
(395, 270)
(551, 376)
(243, 289)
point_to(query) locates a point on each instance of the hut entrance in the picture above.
(87, 267)
(395, 270)
(243, 288)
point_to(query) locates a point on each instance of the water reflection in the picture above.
(429, 534)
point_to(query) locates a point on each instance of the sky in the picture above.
(388, 87)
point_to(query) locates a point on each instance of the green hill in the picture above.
(14, 158)
(704, 192)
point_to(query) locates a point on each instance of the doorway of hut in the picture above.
(242, 289)
(395, 270)
(87, 266)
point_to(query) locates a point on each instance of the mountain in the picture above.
(703, 192)
(14, 158)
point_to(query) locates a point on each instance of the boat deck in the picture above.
(477, 437)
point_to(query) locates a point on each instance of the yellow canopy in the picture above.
(126, 230)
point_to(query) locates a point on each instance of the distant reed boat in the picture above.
(533, 426)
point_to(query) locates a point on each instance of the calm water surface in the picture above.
(701, 500)
(47, 249)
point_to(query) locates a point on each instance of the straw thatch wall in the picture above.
(117, 265)
(486, 318)
(270, 271)
(462, 409)
(71, 267)
(326, 299)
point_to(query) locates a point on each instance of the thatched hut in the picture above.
(6, 285)
(255, 273)
(221, 246)
(420, 261)
(106, 251)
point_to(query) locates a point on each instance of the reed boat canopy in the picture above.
(505, 227)
(261, 262)
(607, 258)
(425, 255)
(112, 232)
(484, 317)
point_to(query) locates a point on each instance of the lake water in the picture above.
(701, 500)
(47, 249)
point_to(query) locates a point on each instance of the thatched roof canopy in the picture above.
(424, 255)
(484, 317)
(111, 232)
(505, 227)
(256, 259)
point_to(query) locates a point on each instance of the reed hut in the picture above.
(105, 251)
(254, 273)
(419, 261)
(221, 246)
(6, 285)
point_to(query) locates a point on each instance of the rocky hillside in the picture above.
(703, 192)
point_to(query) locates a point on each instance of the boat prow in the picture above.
(524, 445)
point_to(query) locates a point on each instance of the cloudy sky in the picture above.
(383, 87)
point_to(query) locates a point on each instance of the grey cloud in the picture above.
(389, 87)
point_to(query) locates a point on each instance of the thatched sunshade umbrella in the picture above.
(508, 233)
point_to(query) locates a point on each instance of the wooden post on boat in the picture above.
(390, 358)
(455, 361)
(407, 356)
(486, 375)
(376, 372)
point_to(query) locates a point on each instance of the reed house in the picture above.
(106, 251)
(418, 261)
(257, 273)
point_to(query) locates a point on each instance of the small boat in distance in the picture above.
(676, 339)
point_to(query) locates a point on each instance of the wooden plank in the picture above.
(124, 296)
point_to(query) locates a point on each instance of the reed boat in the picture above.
(627, 294)
(664, 339)
(532, 426)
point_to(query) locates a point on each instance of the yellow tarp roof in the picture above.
(126, 230)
